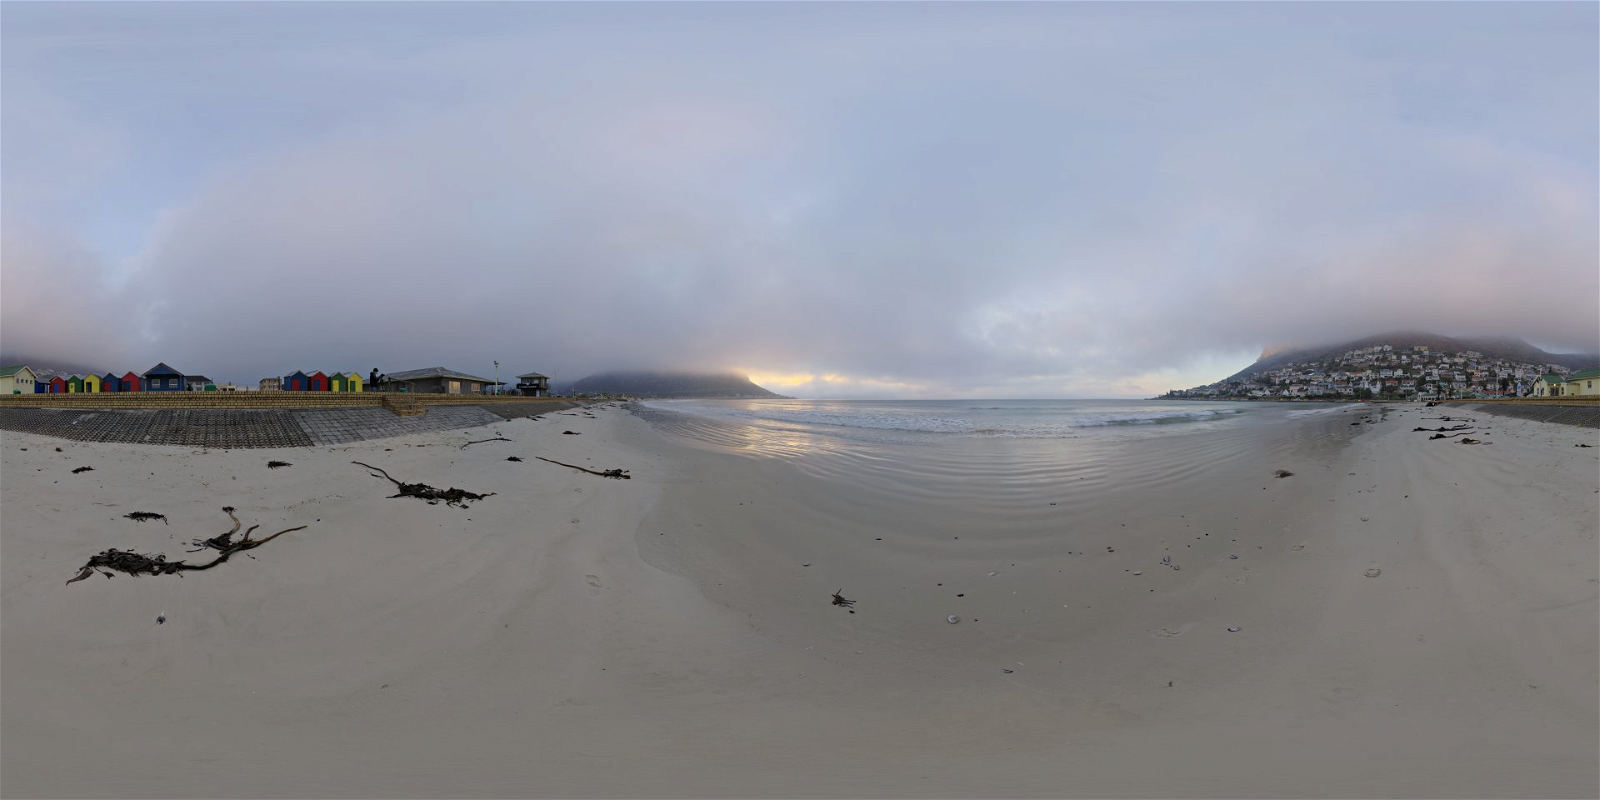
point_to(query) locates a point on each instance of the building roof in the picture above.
(533, 375)
(1584, 374)
(4, 371)
(198, 379)
(435, 372)
(1551, 377)
(162, 369)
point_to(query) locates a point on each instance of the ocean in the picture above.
(1001, 455)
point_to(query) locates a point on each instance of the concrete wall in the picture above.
(224, 400)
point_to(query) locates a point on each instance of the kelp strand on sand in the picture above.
(141, 516)
(481, 441)
(132, 563)
(422, 491)
(619, 474)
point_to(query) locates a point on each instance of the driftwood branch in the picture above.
(620, 474)
(481, 441)
(137, 564)
(432, 494)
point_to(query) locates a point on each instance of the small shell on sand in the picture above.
(1374, 572)
(952, 619)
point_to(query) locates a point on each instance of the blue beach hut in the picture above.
(296, 381)
(162, 378)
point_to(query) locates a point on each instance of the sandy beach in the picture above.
(672, 635)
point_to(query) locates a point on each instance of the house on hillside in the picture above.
(162, 378)
(18, 380)
(533, 384)
(435, 380)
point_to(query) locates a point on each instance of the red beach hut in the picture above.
(131, 383)
(58, 385)
(317, 382)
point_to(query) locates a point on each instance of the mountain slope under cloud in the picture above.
(1494, 347)
(670, 385)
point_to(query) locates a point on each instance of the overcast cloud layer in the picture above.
(920, 200)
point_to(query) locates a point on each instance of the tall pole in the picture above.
(496, 377)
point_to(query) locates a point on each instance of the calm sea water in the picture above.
(1009, 466)
(775, 425)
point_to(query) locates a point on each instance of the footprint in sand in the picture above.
(1300, 546)
(594, 580)
(1168, 633)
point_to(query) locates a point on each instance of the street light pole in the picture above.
(496, 377)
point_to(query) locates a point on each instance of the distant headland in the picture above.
(671, 385)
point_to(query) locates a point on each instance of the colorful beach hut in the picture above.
(295, 382)
(109, 382)
(130, 382)
(58, 385)
(91, 383)
(74, 384)
(317, 382)
(344, 382)
(354, 383)
(162, 378)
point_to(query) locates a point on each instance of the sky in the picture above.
(840, 200)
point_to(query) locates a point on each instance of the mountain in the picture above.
(670, 385)
(49, 368)
(1510, 349)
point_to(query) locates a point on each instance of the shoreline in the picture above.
(573, 635)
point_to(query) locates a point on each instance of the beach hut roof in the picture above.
(435, 372)
(4, 371)
(161, 369)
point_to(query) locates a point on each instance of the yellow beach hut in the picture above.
(352, 382)
(91, 383)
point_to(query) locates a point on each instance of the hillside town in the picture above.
(1386, 372)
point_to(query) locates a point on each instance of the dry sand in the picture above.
(580, 636)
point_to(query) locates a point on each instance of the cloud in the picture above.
(1033, 201)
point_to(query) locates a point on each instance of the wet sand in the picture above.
(664, 636)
